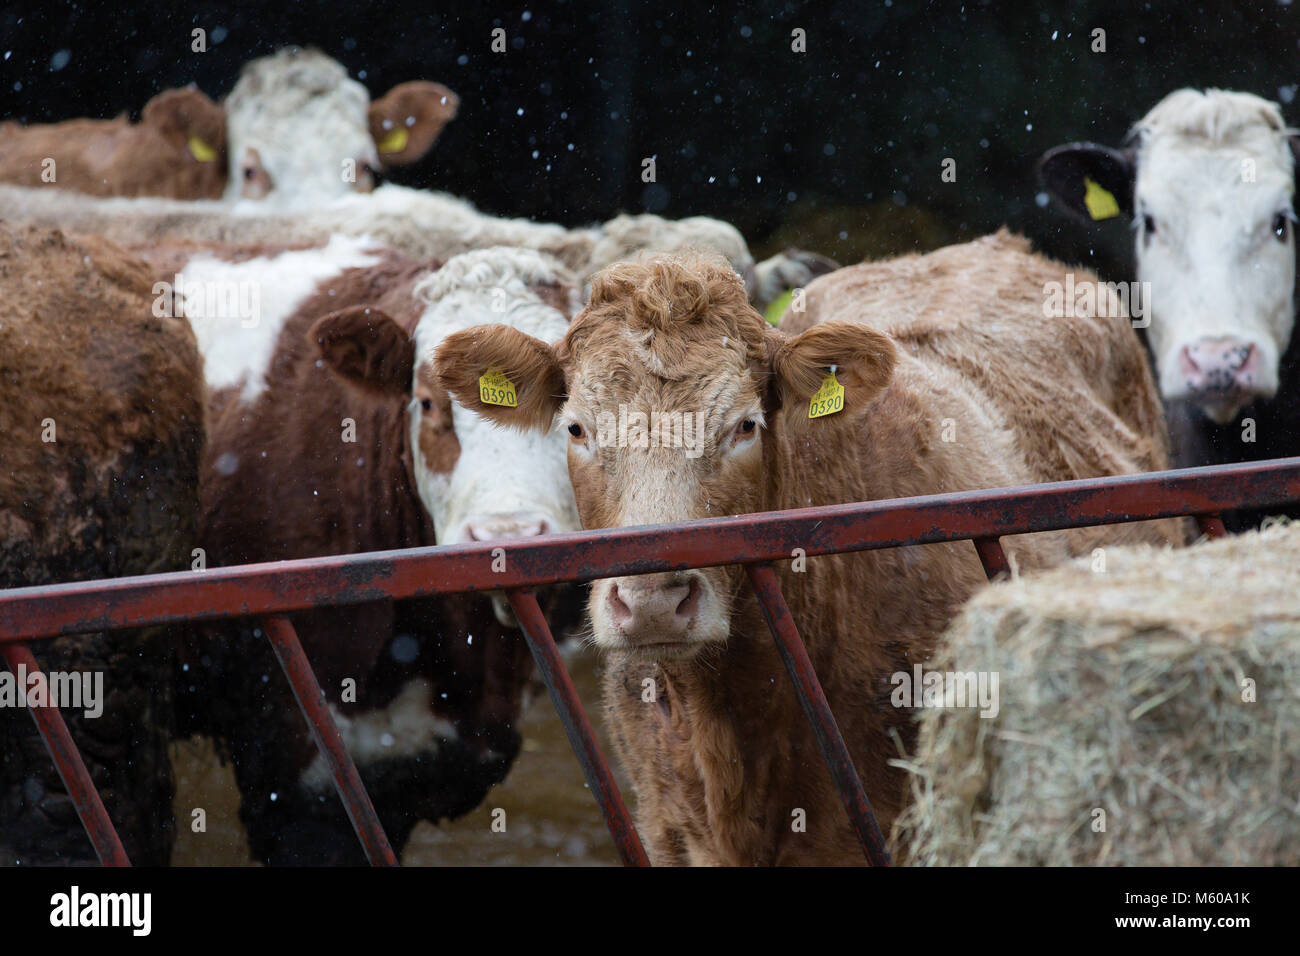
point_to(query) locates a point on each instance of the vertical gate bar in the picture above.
(1211, 526)
(577, 727)
(311, 700)
(818, 711)
(992, 556)
(72, 769)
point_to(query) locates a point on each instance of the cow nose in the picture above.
(655, 609)
(491, 527)
(1220, 365)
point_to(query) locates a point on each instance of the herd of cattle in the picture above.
(222, 343)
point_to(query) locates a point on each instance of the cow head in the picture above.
(1208, 180)
(668, 386)
(477, 482)
(301, 131)
(193, 123)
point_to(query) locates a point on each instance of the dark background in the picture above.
(837, 149)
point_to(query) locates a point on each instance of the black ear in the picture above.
(1095, 182)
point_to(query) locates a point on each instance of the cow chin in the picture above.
(660, 617)
(1224, 408)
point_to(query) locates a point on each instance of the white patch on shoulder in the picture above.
(237, 309)
(405, 728)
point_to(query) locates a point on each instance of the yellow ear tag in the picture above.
(1100, 202)
(395, 141)
(828, 399)
(495, 389)
(201, 150)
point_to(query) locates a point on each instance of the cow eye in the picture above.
(1149, 224)
(1281, 226)
(744, 429)
(426, 404)
(577, 431)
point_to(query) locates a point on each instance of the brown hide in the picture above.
(114, 494)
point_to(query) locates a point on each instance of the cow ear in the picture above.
(406, 120)
(188, 115)
(481, 357)
(1093, 181)
(367, 349)
(862, 359)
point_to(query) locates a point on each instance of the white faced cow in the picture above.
(300, 132)
(1208, 179)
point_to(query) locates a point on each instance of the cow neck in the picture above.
(736, 705)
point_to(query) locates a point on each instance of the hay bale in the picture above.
(1122, 692)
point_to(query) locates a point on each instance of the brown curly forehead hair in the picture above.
(670, 314)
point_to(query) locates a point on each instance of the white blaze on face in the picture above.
(298, 131)
(1215, 241)
(237, 309)
(506, 482)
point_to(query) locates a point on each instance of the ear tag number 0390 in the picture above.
(495, 389)
(828, 399)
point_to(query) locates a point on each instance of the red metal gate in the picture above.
(272, 590)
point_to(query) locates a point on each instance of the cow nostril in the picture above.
(621, 612)
(691, 603)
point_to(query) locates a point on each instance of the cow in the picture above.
(950, 381)
(419, 223)
(176, 150)
(301, 132)
(1208, 180)
(102, 426)
(328, 435)
(295, 130)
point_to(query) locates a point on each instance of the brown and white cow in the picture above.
(329, 435)
(301, 132)
(952, 381)
(177, 150)
(101, 434)
(295, 131)
(1208, 179)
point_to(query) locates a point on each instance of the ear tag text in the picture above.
(495, 389)
(828, 399)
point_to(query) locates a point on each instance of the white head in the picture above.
(1209, 181)
(507, 483)
(477, 482)
(299, 131)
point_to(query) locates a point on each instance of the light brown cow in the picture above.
(962, 385)
(177, 150)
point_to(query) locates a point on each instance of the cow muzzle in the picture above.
(1221, 375)
(503, 527)
(666, 615)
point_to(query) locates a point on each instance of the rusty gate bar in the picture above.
(818, 711)
(277, 587)
(72, 769)
(311, 700)
(751, 540)
(992, 556)
(581, 737)
(1211, 526)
